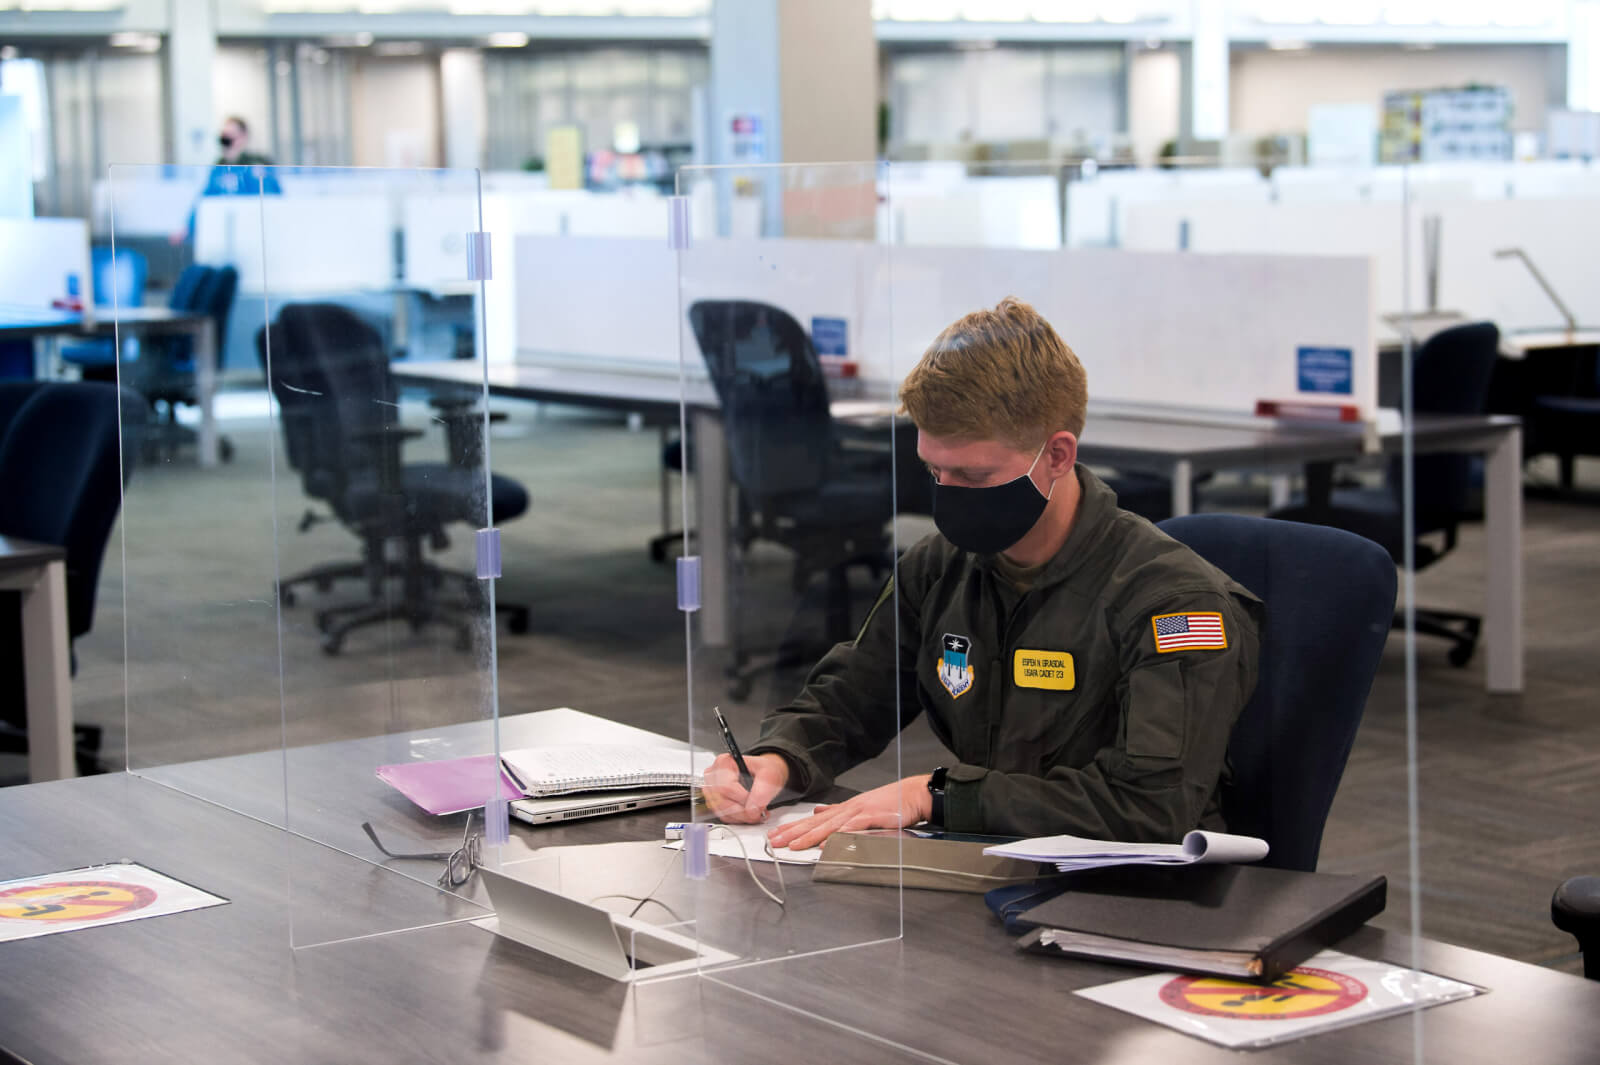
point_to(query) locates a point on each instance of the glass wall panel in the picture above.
(788, 370)
(309, 642)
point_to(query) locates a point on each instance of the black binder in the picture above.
(1243, 921)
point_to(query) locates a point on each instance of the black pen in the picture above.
(745, 777)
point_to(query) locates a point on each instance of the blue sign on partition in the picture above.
(830, 336)
(1324, 370)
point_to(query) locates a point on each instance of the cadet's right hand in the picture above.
(727, 798)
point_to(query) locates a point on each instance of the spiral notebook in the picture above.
(560, 770)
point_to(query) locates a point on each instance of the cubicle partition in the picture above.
(318, 635)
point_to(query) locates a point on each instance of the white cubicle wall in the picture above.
(1558, 234)
(39, 256)
(353, 236)
(1159, 329)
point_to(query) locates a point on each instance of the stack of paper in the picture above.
(1070, 853)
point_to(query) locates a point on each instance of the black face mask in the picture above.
(989, 520)
(225, 140)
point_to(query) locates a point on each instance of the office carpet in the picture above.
(1508, 784)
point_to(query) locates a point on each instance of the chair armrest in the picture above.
(463, 427)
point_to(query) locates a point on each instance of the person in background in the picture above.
(235, 172)
(1084, 668)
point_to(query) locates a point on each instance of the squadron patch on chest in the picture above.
(955, 672)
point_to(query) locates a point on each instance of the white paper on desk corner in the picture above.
(1070, 853)
(725, 840)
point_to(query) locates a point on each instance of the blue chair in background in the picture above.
(119, 279)
(165, 371)
(1329, 597)
(1451, 375)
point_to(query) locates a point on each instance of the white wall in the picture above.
(1272, 92)
(130, 93)
(239, 86)
(1154, 92)
(394, 112)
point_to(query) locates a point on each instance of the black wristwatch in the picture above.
(936, 789)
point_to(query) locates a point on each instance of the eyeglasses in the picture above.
(460, 863)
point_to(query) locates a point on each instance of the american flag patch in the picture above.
(1189, 632)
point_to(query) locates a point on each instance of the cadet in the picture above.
(1084, 668)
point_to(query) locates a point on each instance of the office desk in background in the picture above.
(26, 323)
(657, 397)
(223, 984)
(39, 572)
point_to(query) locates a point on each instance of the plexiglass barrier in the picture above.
(788, 373)
(308, 632)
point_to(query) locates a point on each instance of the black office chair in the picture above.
(1450, 376)
(331, 378)
(1575, 908)
(165, 373)
(1329, 597)
(796, 487)
(60, 483)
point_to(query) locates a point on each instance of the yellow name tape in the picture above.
(1043, 669)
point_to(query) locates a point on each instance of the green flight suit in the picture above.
(1124, 740)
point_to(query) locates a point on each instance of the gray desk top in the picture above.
(105, 323)
(16, 553)
(657, 395)
(223, 984)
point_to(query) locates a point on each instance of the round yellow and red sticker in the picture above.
(73, 900)
(1302, 992)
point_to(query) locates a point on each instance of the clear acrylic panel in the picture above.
(788, 374)
(324, 639)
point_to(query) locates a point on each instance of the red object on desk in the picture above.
(1319, 412)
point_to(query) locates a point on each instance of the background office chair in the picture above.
(330, 376)
(60, 483)
(164, 372)
(796, 487)
(1450, 376)
(1329, 597)
(118, 283)
(1575, 908)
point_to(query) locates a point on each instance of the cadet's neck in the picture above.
(1049, 534)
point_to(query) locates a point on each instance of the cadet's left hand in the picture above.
(898, 805)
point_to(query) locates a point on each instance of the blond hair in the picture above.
(1001, 375)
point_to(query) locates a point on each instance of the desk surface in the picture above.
(23, 554)
(655, 394)
(22, 322)
(223, 984)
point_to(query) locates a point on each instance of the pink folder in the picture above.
(448, 785)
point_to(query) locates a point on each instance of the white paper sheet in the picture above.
(96, 895)
(1331, 990)
(1069, 853)
(726, 839)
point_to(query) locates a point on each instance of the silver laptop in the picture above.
(558, 808)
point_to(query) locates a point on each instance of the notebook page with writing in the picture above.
(558, 770)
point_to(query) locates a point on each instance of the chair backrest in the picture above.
(119, 276)
(1329, 597)
(774, 397)
(1450, 375)
(185, 292)
(13, 395)
(330, 375)
(61, 479)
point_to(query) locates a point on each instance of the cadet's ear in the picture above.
(1062, 453)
